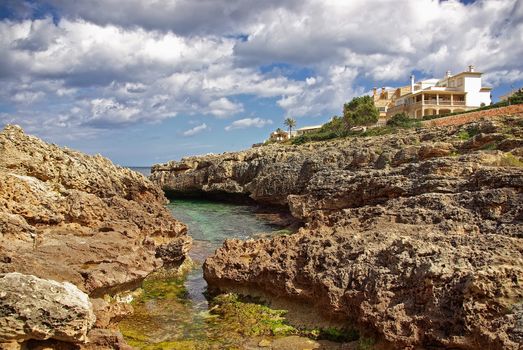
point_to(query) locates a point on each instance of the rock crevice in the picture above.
(415, 236)
(70, 217)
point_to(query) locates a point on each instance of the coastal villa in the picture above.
(281, 135)
(453, 93)
(308, 130)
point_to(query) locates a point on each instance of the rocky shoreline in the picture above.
(415, 236)
(74, 227)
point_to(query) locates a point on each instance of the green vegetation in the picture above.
(228, 322)
(283, 232)
(366, 344)
(491, 146)
(169, 288)
(402, 120)
(337, 334)
(249, 318)
(510, 160)
(290, 123)
(360, 112)
(468, 133)
(517, 98)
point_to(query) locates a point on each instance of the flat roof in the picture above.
(466, 73)
(310, 127)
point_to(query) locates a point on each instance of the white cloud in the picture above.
(223, 107)
(186, 17)
(336, 88)
(196, 130)
(109, 111)
(248, 123)
(109, 63)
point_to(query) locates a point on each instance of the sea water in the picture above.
(173, 310)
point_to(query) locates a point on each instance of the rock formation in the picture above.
(416, 236)
(67, 216)
(34, 308)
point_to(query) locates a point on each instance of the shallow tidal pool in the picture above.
(173, 310)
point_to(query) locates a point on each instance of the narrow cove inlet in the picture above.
(173, 310)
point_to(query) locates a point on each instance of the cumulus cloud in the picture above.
(248, 123)
(223, 107)
(186, 17)
(196, 130)
(110, 63)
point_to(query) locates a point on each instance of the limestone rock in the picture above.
(34, 308)
(72, 217)
(67, 216)
(415, 236)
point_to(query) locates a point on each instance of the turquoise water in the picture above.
(210, 223)
(172, 311)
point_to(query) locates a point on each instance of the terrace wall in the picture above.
(465, 118)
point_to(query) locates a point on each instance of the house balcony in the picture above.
(442, 102)
(428, 107)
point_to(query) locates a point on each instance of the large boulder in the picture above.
(35, 308)
(73, 217)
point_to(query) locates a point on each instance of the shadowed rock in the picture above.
(415, 236)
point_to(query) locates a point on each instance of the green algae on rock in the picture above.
(173, 311)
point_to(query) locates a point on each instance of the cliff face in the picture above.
(66, 216)
(416, 236)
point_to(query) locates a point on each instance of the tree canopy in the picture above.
(360, 111)
(290, 122)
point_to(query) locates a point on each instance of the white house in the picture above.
(453, 93)
(308, 130)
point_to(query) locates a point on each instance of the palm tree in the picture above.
(291, 123)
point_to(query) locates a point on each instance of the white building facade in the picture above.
(458, 93)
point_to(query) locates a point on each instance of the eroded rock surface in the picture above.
(67, 216)
(417, 236)
(34, 308)
(78, 218)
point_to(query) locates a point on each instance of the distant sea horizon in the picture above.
(145, 170)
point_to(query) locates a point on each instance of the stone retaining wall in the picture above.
(464, 118)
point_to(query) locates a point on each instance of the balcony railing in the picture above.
(443, 103)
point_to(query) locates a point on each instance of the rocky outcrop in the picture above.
(67, 216)
(34, 308)
(416, 236)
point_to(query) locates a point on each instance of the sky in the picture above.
(147, 81)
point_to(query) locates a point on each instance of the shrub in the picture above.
(317, 136)
(517, 98)
(402, 120)
(360, 111)
(510, 160)
(335, 125)
(468, 133)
